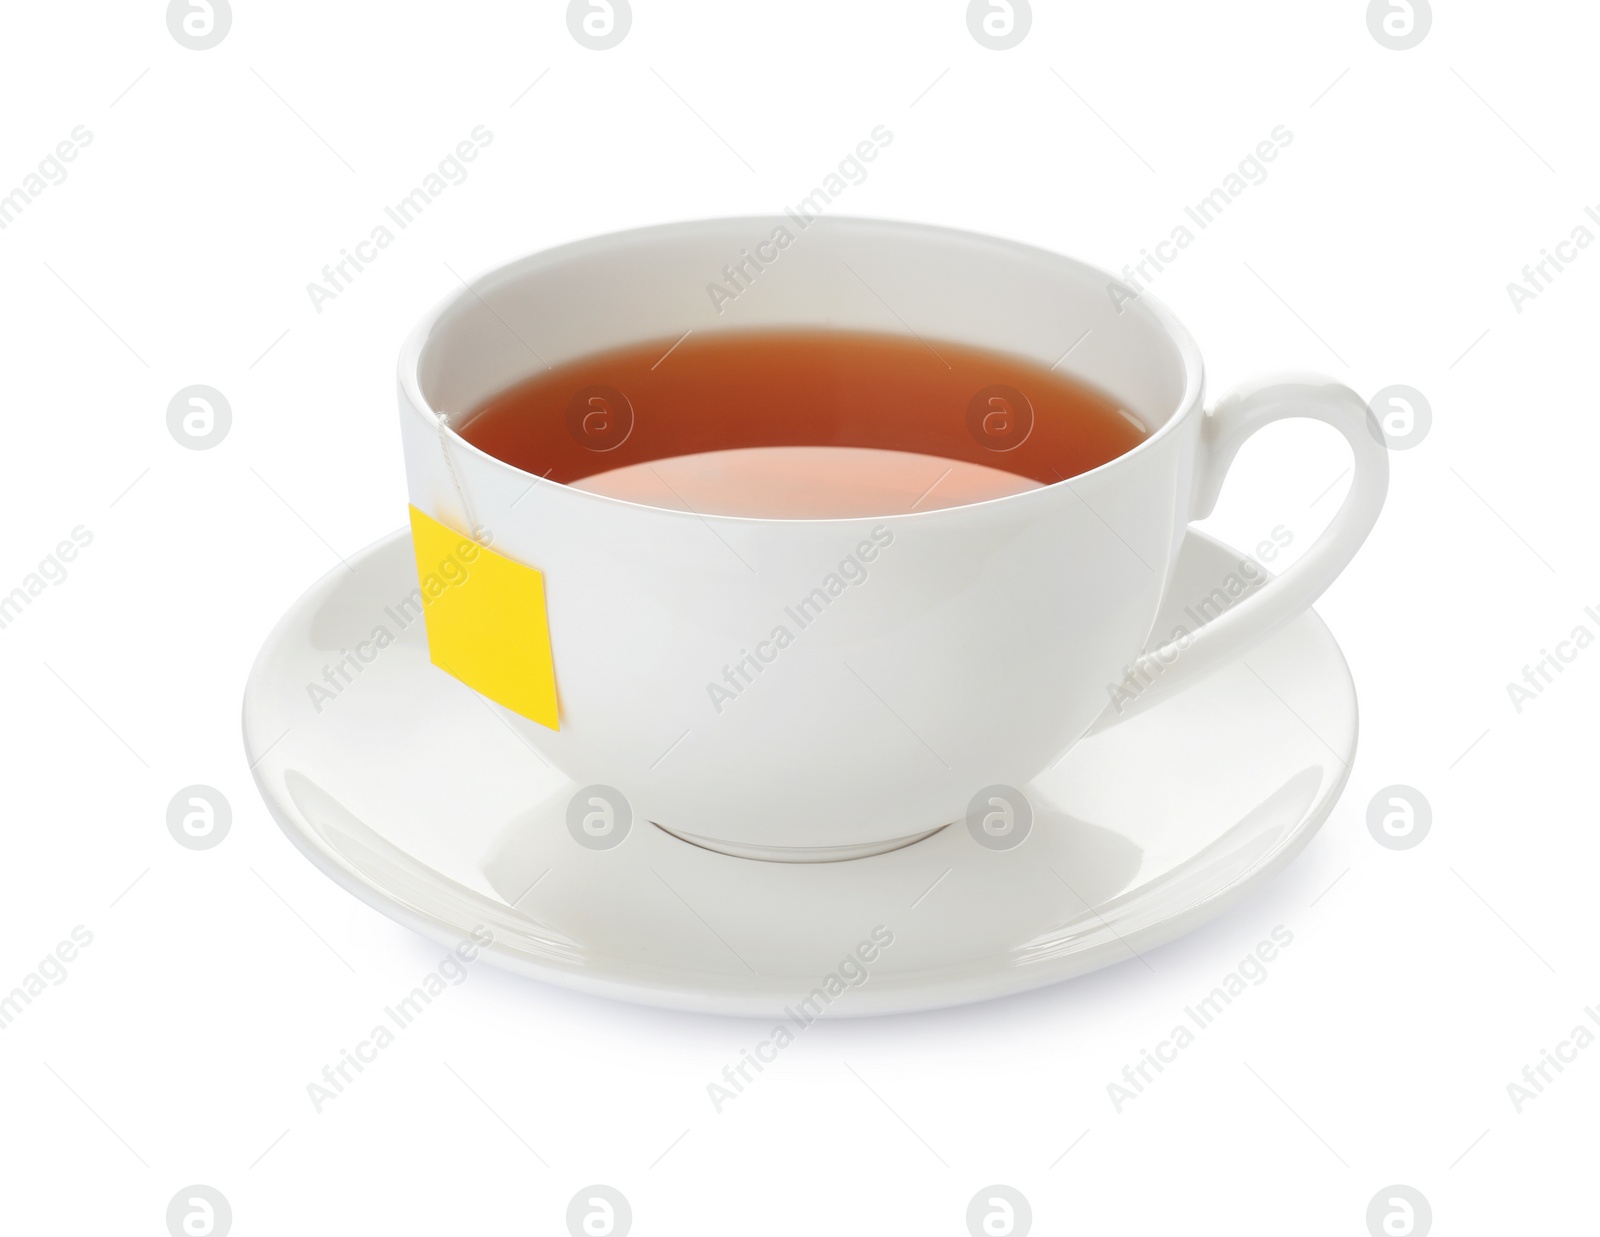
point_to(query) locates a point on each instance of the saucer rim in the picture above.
(932, 988)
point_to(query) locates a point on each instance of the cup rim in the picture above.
(411, 350)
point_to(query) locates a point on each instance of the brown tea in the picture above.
(803, 424)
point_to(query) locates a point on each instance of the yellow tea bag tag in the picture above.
(486, 620)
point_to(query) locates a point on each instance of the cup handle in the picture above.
(1180, 663)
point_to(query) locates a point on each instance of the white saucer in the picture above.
(408, 790)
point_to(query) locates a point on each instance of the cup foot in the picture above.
(799, 854)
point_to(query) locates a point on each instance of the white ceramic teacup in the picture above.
(972, 645)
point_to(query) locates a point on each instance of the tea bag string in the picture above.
(442, 421)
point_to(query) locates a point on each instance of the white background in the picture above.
(177, 251)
